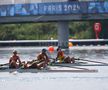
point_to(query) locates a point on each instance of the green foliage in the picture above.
(43, 31)
(104, 31)
(29, 31)
(81, 30)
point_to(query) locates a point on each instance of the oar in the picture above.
(71, 66)
(91, 61)
(4, 64)
(82, 69)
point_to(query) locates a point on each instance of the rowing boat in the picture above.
(59, 67)
(49, 69)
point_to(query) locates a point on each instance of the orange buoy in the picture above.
(70, 44)
(51, 49)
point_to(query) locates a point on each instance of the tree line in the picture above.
(45, 31)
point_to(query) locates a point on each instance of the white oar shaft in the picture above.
(72, 67)
(92, 61)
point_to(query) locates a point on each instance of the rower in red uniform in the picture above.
(62, 58)
(60, 55)
(14, 61)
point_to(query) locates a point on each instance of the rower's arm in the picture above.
(19, 60)
(47, 58)
(10, 60)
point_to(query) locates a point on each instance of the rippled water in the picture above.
(53, 81)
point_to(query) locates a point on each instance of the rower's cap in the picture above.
(44, 50)
(58, 48)
(15, 51)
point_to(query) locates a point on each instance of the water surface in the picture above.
(56, 81)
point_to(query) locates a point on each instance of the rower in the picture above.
(60, 55)
(62, 58)
(41, 61)
(14, 61)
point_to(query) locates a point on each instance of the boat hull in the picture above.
(48, 70)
